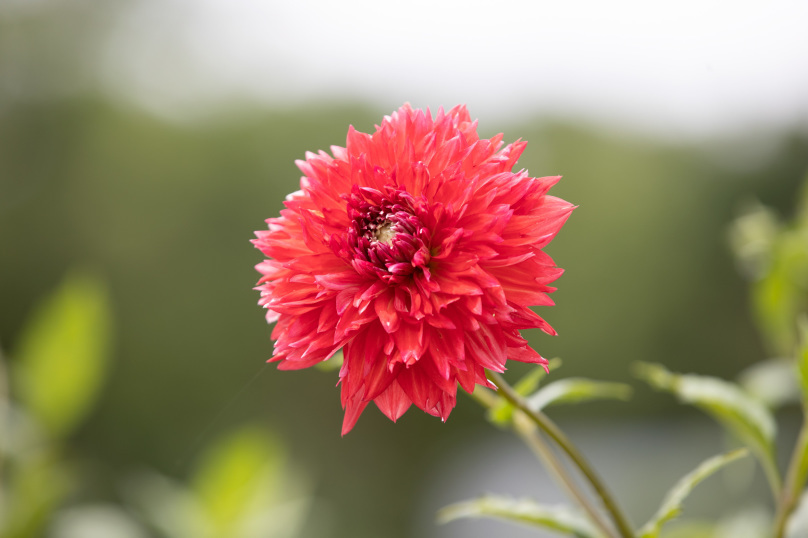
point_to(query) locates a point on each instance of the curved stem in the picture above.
(555, 433)
(528, 432)
(533, 439)
(795, 481)
(772, 475)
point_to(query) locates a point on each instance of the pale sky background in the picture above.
(685, 67)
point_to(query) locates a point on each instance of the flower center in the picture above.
(386, 237)
(385, 233)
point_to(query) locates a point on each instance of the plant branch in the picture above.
(795, 481)
(555, 433)
(528, 432)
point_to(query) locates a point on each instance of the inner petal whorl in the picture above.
(386, 236)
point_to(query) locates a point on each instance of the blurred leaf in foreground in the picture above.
(775, 257)
(780, 296)
(752, 236)
(802, 358)
(243, 487)
(238, 470)
(37, 485)
(60, 362)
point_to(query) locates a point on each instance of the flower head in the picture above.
(417, 251)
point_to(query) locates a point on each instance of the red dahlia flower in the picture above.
(418, 251)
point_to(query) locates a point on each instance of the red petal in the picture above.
(353, 410)
(393, 402)
(527, 354)
(387, 314)
(410, 341)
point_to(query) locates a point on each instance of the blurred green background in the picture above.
(162, 212)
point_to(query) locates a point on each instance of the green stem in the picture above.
(795, 481)
(528, 432)
(555, 433)
(767, 461)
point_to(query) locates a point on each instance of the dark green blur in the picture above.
(164, 212)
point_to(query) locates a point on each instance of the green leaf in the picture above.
(37, 485)
(780, 296)
(575, 390)
(63, 350)
(236, 472)
(802, 358)
(752, 236)
(562, 519)
(728, 404)
(775, 305)
(503, 413)
(243, 487)
(775, 256)
(772, 382)
(672, 505)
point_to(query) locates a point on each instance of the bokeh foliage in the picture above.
(243, 484)
(776, 257)
(166, 210)
(62, 354)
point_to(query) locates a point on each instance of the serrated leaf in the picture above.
(62, 355)
(772, 382)
(576, 390)
(728, 404)
(672, 505)
(503, 412)
(562, 519)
